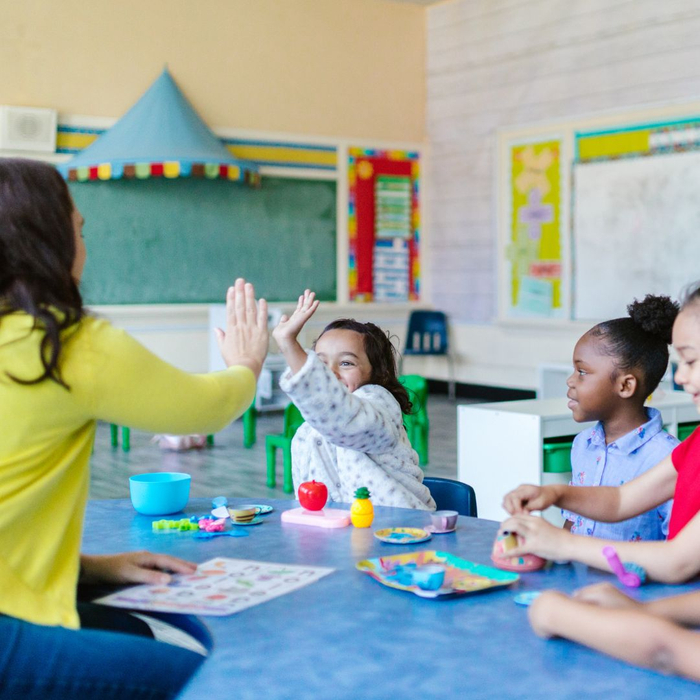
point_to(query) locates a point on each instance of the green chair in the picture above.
(416, 422)
(126, 436)
(292, 420)
(250, 424)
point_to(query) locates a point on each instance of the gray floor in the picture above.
(228, 469)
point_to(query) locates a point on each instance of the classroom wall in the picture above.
(496, 64)
(348, 68)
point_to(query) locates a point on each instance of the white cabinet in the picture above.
(500, 445)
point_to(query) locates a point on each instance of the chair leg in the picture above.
(114, 432)
(287, 484)
(422, 444)
(126, 438)
(250, 420)
(271, 455)
(451, 383)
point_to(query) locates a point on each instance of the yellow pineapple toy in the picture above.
(362, 511)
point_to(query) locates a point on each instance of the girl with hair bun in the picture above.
(617, 365)
(676, 476)
(653, 634)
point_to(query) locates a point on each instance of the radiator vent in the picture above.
(27, 129)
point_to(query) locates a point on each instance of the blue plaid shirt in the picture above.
(594, 463)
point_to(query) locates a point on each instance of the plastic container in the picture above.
(684, 430)
(159, 493)
(557, 455)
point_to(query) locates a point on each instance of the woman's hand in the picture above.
(528, 497)
(606, 595)
(289, 327)
(246, 339)
(132, 567)
(535, 536)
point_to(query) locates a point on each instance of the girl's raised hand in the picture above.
(246, 338)
(289, 327)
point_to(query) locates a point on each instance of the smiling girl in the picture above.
(347, 390)
(617, 365)
(677, 476)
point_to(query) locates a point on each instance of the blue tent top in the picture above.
(161, 135)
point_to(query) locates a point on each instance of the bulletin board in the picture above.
(534, 248)
(383, 225)
(596, 212)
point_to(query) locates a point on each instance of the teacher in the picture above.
(61, 370)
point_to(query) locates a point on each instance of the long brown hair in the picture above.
(381, 354)
(37, 251)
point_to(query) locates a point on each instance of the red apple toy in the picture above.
(312, 495)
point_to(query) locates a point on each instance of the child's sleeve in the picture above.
(118, 380)
(368, 420)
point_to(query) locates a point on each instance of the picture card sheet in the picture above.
(220, 586)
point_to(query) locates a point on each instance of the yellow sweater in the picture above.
(46, 436)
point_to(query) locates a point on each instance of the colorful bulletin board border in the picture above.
(534, 245)
(365, 165)
(637, 141)
(260, 152)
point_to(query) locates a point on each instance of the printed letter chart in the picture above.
(220, 586)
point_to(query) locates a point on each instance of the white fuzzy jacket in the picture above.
(352, 439)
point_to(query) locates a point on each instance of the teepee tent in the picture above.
(160, 136)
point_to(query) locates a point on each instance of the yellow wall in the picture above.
(345, 68)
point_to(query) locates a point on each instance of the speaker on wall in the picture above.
(27, 129)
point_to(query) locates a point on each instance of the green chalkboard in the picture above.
(186, 240)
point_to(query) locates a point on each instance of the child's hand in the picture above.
(132, 567)
(246, 338)
(544, 611)
(289, 326)
(606, 595)
(536, 536)
(528, 497)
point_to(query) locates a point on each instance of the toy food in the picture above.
(525, 562)
(312, 495)
(362, 510)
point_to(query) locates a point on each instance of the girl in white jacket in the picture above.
(347, 390)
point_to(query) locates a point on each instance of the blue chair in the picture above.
(427, 335)
(449, 494)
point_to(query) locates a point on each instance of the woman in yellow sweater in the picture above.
(60, 371)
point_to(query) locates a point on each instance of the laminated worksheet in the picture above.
(220, 586)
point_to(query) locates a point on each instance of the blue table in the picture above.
(347, 636)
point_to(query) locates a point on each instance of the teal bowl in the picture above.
(159, 493)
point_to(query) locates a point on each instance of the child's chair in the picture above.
(292, 420)
(416, 422)
(449, 494)
(250, 425)
(427, 335)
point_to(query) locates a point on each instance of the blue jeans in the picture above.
(51, 663)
